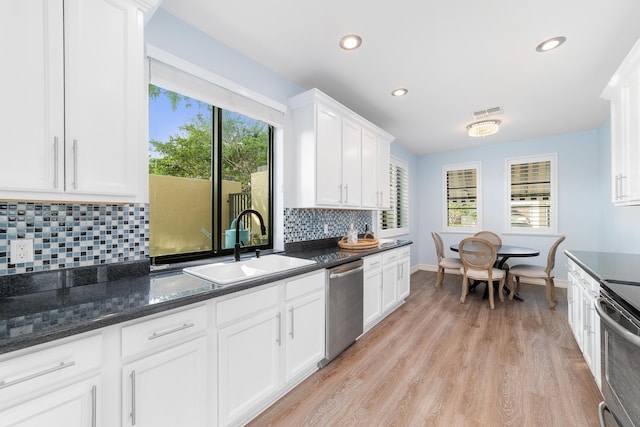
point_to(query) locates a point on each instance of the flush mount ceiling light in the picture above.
(350, 42)
(399, 92)
(483, 128)
(550, 44)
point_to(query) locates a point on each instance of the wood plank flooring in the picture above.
(436, 362)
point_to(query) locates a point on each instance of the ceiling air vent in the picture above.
(483, 114)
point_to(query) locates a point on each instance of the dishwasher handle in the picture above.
(346, 273)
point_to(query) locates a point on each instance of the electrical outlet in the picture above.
(326, 229)
(21, 251)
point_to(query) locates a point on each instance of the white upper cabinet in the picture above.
(74, 128)
(341, 159)
(375, 170)
(623, 90)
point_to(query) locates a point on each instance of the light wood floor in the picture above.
(436, 362)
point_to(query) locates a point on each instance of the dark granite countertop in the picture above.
(63, 307)
(620, 273)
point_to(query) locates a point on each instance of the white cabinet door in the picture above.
(384, 159)
(351, 164)
(372, 303)
(370, 174)
(75, 124)
(32, 113)
(104, 84)
(305, 333)
(389, 286)
(76, 405)
(404, 277)
(249, 355)
(328, 157)
(167, 388)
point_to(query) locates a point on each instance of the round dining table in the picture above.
(504, 252)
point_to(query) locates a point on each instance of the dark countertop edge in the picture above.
(582, 265)
(29, 340)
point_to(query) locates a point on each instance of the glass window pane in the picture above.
(462, 198)
(180, 143)
(245, 178)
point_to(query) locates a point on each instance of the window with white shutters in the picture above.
(395, 221)
(531, 194)
(462, 196)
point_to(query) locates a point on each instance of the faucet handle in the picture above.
(257, 253)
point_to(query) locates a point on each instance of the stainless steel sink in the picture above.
(228, 273)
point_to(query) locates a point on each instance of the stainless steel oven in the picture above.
(620, 361)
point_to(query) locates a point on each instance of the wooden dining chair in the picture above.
(443, 262)
(478, 258)
(537, 272)
(490, 236)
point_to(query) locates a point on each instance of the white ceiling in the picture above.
(455, 57)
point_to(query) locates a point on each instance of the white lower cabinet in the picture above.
(386, 283)
(404, 272)
(372, 290)
(305, 327)
(249, 353)
(165, 369)
(267, 341)
(167, 388)
(72, 406)
(56, 385)
(584, 321)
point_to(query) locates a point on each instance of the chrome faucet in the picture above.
(236, 249)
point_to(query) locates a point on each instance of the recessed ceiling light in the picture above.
(550, 44)
(483, 128)
(350, 42)
(399, 92)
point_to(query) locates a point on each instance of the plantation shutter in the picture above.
(397, 216)
(462, 198)
(531, 198)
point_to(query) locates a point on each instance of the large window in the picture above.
(206, 165)
(531, 194)
(395, 221)
(462, 195)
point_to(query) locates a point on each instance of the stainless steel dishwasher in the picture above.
(344, 308)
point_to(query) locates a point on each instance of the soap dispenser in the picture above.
(352, 235)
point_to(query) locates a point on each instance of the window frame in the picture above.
(216, 213)
(445, 205)
(553, 159)
(395, 162)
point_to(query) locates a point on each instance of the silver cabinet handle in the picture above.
(292, 324)
(346, 190)
(9, 383)
(94, 405)
(75, 164)
(622, 195)
(55, 162)
(133, 398)
(170, 331)
(279, 339)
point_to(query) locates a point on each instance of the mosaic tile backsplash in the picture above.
(308, 224)
(70, 235)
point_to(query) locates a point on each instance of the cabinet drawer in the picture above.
(305, 284)
(241, 306)
(404, 252)
(51, 366)
(389, 256)
(157, 332)
(373, 261)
